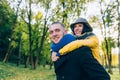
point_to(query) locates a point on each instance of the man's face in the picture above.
(78, 29)
(56, 32)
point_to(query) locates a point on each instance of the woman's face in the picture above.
(78, 29)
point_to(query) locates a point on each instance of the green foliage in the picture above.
(111, 44)
(7, 19)
(8, 16)
(46, 54)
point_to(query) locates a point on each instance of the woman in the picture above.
(85, 37)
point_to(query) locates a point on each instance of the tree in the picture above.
(7, 22)
(67, 11)
(110, 46)
(107, 18)
(118, 12)
(36, 31)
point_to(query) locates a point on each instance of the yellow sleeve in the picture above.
(70, 47)
(90, 42)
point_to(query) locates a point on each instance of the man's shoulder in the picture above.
(81, 51)
(83, 48)
(80, 55)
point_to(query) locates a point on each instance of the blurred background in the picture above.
(25, 42)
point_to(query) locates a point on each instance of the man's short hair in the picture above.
(58, 23)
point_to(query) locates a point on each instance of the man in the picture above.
(78, 64)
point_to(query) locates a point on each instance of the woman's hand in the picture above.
(54, 57)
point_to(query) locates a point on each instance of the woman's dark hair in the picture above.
(86, 28)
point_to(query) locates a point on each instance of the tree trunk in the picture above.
(41, 43)
(19, 51)
(118, 33)
(30, 35)
(50, 65)
(27, 62)
(7, 54)
(109, 58)
(35, 61)
(109, 62)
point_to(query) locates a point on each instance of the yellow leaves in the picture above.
(39, 15)
(13, 43)
(24, 36)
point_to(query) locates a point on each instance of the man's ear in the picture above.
(72, 33)
(66, 31)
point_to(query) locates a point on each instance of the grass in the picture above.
(11, 72)
(115, 75)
